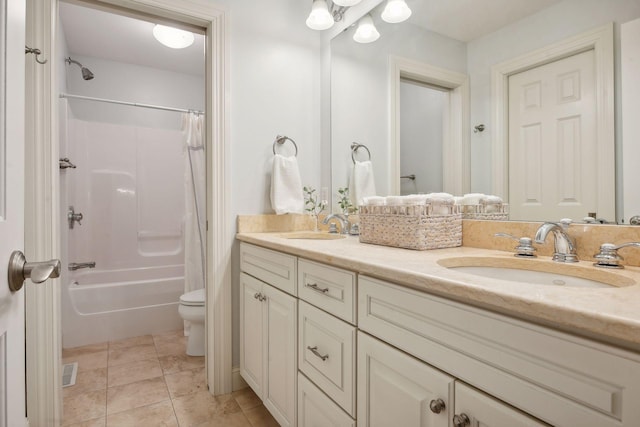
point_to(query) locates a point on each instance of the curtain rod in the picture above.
(131, 104)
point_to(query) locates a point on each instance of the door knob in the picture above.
(21, 270)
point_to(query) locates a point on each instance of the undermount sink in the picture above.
(312, 235)
(533, 271)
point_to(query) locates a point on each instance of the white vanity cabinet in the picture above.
(268, 332)
(383, 354)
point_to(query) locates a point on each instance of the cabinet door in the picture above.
(315, 409)
(280, 369)
(395, 389)
(482, 410)
(251, 332)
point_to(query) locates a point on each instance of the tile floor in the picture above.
(150, 381)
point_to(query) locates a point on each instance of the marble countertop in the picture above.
(610, 314)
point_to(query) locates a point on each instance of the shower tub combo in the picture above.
(107, 305)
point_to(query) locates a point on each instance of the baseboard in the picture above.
(238, 383)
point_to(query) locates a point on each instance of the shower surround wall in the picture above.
(129, 186)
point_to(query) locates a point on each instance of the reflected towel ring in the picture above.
(281, 140)
(355, 147)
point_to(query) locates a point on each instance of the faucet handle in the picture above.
(608, 256)
(524, 248)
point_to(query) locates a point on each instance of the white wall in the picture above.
(566, 19)
(133, 83)
(360, 91)
(421, 132)
(275, 73)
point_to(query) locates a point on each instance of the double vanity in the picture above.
(337, 333)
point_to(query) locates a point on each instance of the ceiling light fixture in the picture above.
(173, 37)
(396, 11)
(366, 32)
(320, 18)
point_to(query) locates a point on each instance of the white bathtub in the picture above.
(100, 306)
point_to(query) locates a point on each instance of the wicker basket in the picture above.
(411, 227)
(497, 212)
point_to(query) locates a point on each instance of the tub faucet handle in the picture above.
(72, 217)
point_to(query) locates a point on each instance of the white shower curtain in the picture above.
(195, 207)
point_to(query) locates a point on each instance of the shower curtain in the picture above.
(195, 209)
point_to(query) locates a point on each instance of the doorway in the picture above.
(43, 218)
(422, 114)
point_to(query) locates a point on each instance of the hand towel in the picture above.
(286, 186)
(361, 184)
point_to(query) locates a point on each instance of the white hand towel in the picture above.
(286, 186)
(362, 183)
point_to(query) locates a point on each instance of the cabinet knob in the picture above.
(437, 405)
(461, 420)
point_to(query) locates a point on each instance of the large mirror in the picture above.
(437, 100)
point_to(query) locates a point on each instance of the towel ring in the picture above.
(281, 140)
(355, 147)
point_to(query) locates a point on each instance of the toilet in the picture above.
(192, 309)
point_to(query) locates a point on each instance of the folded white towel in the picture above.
(361, 184)
(374, 200)
(286, 186)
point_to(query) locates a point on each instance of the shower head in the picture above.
(86, 73)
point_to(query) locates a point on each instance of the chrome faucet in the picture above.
(73, 266)
(564, 248)
(345, 225)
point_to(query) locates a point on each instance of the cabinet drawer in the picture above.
(274, 268)
(559, 378)
(331, 289)
(315, 409)
(326, 354)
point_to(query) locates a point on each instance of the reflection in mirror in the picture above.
(467, 37)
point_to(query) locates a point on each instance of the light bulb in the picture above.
(346, 3)
(173, 37)
(366, 32)
(396, 11)
(319, 18)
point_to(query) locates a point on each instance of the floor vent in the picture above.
(69, 372)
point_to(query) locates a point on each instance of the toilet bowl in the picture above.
(192, 309)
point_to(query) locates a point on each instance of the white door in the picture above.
(395, 389)
(553, 165)
(482, 410)
(12, 367)
(630, 70)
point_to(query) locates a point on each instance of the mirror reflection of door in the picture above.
(422, 114)
(553, 140)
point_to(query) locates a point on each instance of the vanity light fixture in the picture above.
(173, 37)
(366, 32)
(320, 18)
(396, 11)
(346, 3)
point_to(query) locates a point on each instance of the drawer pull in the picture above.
(437, 405)
(461, 420)
(260, 297)
(314, 350)
(317, 288)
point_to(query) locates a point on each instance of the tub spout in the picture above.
(78, 265)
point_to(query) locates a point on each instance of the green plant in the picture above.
(345, 202)
(311, 203)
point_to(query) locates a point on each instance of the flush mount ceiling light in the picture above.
(346, 3)
(366, 32)
(396, 11)
(173, 37)
(320, 18)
